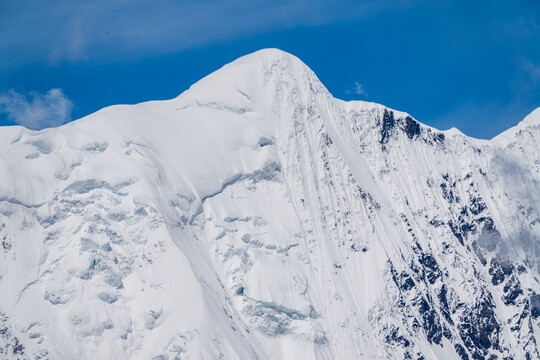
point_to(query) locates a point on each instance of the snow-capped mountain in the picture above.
(257, 217)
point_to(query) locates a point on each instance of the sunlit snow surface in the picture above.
(255, 216)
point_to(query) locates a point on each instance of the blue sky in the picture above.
(474, 65)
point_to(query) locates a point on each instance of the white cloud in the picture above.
(36, 111)
(357, 89)
(127, 29)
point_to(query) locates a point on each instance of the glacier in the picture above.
(255, 216)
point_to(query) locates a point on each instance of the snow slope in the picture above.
(256, 216)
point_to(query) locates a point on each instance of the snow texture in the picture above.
(257, 217)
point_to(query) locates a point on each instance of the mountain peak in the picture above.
(253, 67)
(509, 136)
(268, 54)
(252, 80)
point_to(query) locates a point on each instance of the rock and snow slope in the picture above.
(255, 216)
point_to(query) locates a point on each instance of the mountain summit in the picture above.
(257, 217)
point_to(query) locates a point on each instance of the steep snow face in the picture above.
(255, 216)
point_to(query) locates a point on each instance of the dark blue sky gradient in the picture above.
(472, 65)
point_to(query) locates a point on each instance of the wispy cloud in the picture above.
(122, 29)
(36, 111)
(357, 89)
(532, 70)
